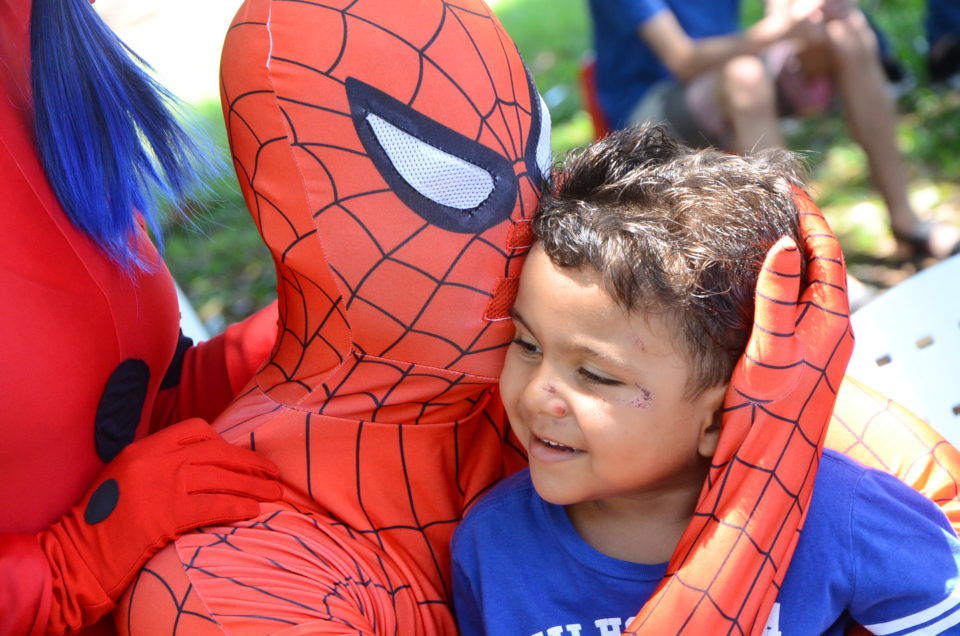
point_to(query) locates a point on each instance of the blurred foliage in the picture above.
(216, 255)
(227, 272)
(553, 48)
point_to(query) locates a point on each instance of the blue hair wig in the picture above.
(106, 130)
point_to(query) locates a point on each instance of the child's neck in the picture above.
(640, 530)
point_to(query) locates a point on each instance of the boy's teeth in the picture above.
(557, 445)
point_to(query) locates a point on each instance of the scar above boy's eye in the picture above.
(549, 388)
(641, 345)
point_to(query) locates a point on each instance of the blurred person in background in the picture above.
(943, 36)
(689, 65)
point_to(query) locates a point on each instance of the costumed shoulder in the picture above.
(72, 318)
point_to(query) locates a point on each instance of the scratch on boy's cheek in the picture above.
(549, 388)
(644, 399)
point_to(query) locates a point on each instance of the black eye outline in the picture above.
(497, 207)
(537, 173)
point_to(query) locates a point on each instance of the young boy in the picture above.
(634, 305)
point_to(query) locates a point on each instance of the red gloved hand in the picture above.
(181, 478)
(725, 573)
(779, 405)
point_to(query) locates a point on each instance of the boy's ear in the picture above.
(712, 417)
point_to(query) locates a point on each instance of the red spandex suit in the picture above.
(91, 360)
(391, 154)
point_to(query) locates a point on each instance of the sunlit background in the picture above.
(226, 271)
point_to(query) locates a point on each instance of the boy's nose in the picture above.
(544, 395)
(557, 407)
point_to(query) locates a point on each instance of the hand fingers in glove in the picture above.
(181, 478)
(206, 479)
(183, 432)
(778, 290)
(771, 350)
(194, 440)
(826, 316)
(826, 275)
(219, 452)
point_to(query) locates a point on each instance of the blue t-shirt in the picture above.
(626, 66)
(873, 552)
(943, 18)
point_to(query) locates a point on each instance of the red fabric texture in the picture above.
(379, 402)
(70, 317)
(180, 478)
(728, 566)
(214, 371)
(379, 398)
(25, 590)
(880, 433)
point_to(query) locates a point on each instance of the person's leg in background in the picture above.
(733, 108)
(849, 54)
(748, 101)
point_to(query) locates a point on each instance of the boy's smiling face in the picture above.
(597, 395)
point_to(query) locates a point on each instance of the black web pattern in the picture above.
(378, 400)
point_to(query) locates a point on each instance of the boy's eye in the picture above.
(594, 378)
(527, 348)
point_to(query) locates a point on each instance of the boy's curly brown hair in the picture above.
(674, 231)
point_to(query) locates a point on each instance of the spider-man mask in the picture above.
(391, 163)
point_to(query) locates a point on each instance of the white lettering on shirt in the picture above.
(605, 627)
(609, 626)
(773, 623)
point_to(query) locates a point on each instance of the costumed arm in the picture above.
(726, 571)
(204, 378)
(25, 586)
(70, 574)
(881, 434)
(686, 57)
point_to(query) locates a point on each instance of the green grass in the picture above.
(227, 272)
(553, 37)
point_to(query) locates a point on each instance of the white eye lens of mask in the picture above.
(437, 175)
(544, 153)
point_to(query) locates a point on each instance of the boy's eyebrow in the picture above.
(620, 362)
(584, 349)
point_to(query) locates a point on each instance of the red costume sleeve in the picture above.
(86, 352)
(737, 548)
(25, 590)
(211, 373)
(881, 434)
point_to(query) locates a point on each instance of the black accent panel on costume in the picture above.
(102, 502)
(536, 131)
(365, 101)
(120, 407)
(172, 377)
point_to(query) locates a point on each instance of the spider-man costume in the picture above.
(91, 361)
(391, 155)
